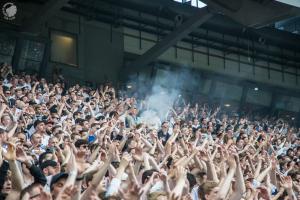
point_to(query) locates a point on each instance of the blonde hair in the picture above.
(206, 188)
(155, 195)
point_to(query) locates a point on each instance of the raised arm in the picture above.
(287, 184)
(115, 184)
(180, 183)
(225, 185)
(240, 183)
(10, 156)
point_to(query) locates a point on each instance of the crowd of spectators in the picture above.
(87, 143)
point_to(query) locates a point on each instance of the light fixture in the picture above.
(256, 88)
(227, 105)
(129, 86)
(293, 118)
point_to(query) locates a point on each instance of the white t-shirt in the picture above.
(194, 193)
(47, 186)
(113, 187)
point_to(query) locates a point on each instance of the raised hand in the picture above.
(263, 191)
(10, 154)
(21, 155)
(138, 154)
(231, 162)
(112, 150)
(94, 196)
(125, 160)
(163, 176)
(286, 182)
(68, 193)
(181, 176)
(131, 193)
(45, 195)
(181, 173)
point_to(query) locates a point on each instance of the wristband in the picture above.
(80, 178)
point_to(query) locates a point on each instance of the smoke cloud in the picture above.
(166, 89)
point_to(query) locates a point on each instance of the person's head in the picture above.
(298, 151)
(52, 99)
(30, 96)
(245, 138)
(77, 115)
(210, 129)
(192, 180)
(7, 93)
(49, 126)
(165, 126)
(201, 177)
(39, 126)
(82, 147)
(290, 152)
(95, 127)
(27, 78)
(85, 124)
(33, 191)
(158, 196)
(134, 111)
(36, 139)
(3, 135)
(7, 186)
(6, 120)
(195, 121)
(52, 142)
(204, 121)
(208, 191)
(21, 137)
(56, 129)
(57, 183)
(83, 133)
(18, 93)
(50, 167)
(43, 81)
(240, 143)
(59, 134)
(38, 108)
(24, 99)
(147, 174)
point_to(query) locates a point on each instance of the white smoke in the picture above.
(161, 100)
(164, 92)
(151, 119)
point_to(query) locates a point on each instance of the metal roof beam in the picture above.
(178, 34)
(264, 14)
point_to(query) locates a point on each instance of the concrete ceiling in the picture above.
(254, 13)
(295, 3)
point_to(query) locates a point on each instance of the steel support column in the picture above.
(170, 40)
(44, 63)
(243, 98)
(17, 54)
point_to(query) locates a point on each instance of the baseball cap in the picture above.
(57, 177)
(48, 163)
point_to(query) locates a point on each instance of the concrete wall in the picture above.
(100, 51)
(199, 59)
